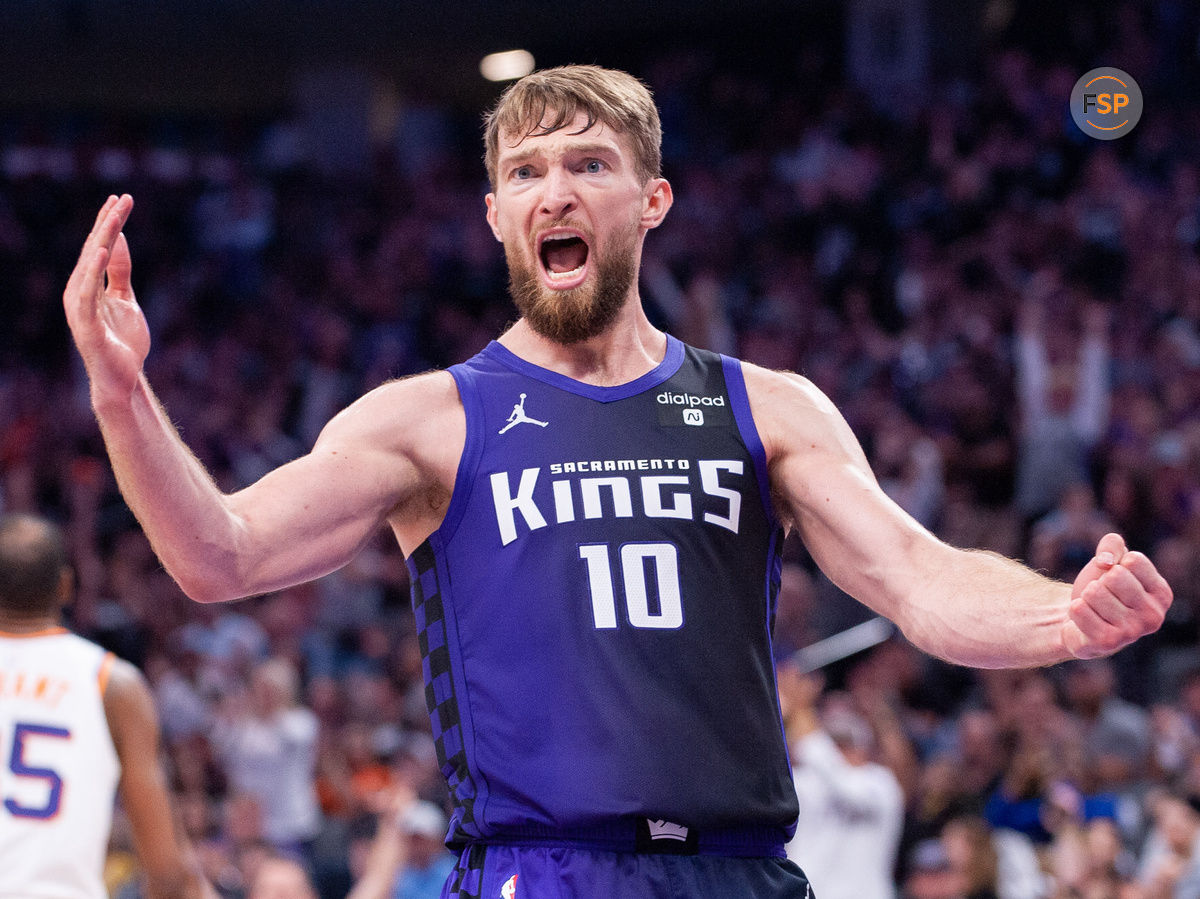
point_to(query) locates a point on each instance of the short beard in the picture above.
(578, 314)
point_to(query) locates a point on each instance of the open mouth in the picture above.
(564, 258)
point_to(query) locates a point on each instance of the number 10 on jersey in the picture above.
(634, 559)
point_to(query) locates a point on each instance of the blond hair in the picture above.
(548, 101)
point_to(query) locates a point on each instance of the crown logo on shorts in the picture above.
(666, 830)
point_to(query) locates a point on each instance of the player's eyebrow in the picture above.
(599, 148)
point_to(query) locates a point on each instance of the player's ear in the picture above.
(492, 214)
(657, 198)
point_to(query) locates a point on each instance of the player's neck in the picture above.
(15, 624)
(624, 352)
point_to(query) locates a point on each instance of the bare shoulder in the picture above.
(416, 421)
(812, 454)
(788, 407)
(765, 383)
(401, 411)
(125, 681)
(406, 436)
(129, 708)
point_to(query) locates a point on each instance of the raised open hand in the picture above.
(105, 319)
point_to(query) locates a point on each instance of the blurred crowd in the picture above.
(1005, 310)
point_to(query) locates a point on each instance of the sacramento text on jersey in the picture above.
(661, 496)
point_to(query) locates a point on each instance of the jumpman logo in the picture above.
(518, 417)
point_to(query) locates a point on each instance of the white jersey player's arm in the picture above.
(171, 867)
(969, 607)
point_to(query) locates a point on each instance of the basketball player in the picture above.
(76, 726)
(592, 515)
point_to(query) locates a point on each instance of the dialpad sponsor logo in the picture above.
(692, 409)
(688, 399)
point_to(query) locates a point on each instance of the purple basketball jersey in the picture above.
(594, 611)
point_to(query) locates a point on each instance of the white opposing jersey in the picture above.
(58, 766)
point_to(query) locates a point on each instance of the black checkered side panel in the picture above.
(467, 879)
(439, 690)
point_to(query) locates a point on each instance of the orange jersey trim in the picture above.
(45, 632)
(105, 670)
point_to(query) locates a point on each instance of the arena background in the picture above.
(888, 197)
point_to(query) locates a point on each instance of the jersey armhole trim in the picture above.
(464, 478)
(103, 672)
(739, 401)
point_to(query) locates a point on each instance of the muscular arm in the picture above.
(171, 869)
(973, 608)
(302, 520)
(381, 457)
